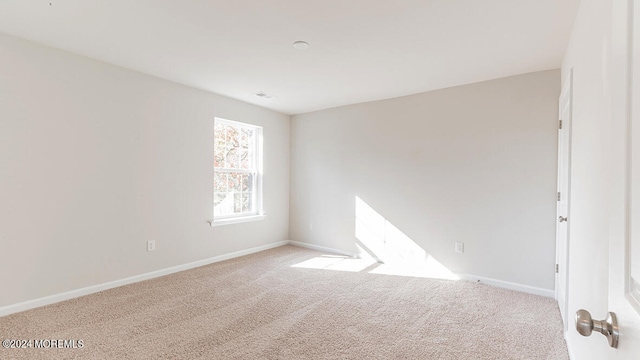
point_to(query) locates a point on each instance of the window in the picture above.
(237, 172)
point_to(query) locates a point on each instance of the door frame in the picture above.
(562, 263)
(632, 108)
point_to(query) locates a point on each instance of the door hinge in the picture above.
(557, 268)
(560, 125)
(558, 196)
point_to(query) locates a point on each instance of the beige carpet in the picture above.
(260, 307)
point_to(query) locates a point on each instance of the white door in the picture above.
(562, 207)
(605, 185)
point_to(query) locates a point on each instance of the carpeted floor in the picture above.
(263, 307)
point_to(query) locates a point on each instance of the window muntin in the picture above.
(237, 170)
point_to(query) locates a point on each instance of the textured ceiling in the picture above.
(361, 50)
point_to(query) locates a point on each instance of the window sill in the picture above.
(237, 220)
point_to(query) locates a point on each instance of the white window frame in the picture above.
(257, 193)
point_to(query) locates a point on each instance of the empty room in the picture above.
(420, 179)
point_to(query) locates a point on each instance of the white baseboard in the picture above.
(509, 285)
(489, 281)
(52, 299)
(321, 248)
(493, 282)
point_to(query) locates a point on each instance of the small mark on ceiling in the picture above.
(301, 45)
(264, 95)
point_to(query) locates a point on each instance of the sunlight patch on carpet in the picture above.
(336, 262)
(430, 268)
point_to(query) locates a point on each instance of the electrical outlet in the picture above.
(459, 247)
(310, 226)
(151, 245)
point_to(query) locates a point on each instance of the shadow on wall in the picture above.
(382, 249)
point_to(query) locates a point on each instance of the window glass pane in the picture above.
(234, 184)
(247, 202)
(244, 159)
(220, 182)
(245, 135)
(248, 162)
(247, 180)
(232, 147)
(232, 157)
(219, 145)
(237, 203)
(222, 204)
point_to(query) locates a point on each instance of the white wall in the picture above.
(95, 160)
(474, 163)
